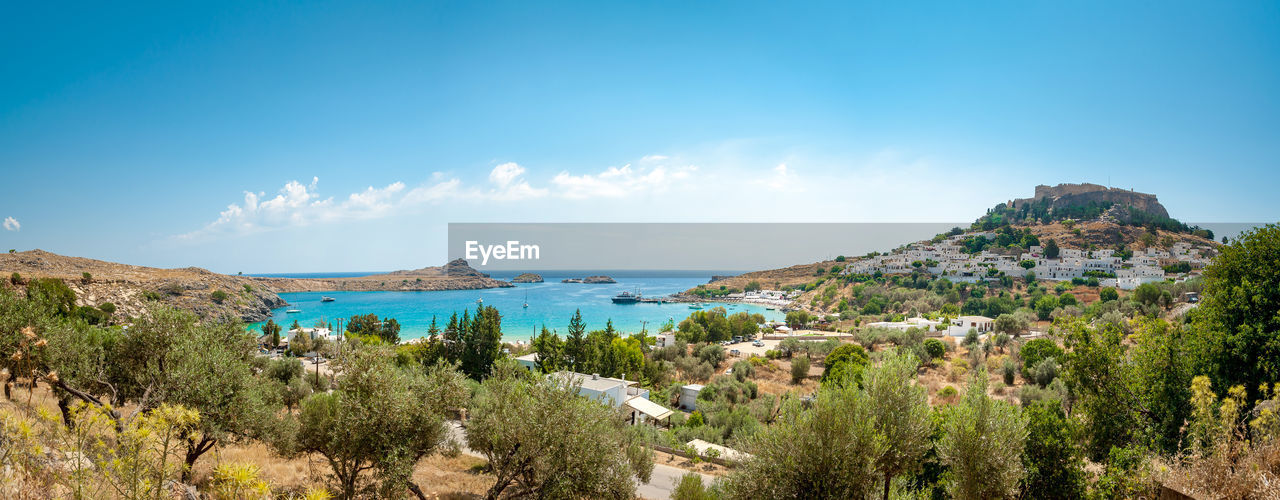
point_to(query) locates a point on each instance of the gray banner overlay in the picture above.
(688, 246)
(673, 246)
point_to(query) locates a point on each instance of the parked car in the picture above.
(758, 343)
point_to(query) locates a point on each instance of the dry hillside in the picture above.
(134, 289)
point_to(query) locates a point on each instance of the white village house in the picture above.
(946, 258)
(617, 393)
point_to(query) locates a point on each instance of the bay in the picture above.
(551, 303)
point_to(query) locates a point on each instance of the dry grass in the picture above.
(680, 462)
(941, 374)
(777, 379)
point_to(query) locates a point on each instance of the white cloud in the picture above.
(658, 187)
(509, 184)
(503, 175)
(12, 224)
(618, 182)
(298, 205)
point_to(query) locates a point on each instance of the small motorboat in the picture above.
(327, 298)
(293, 311)
(480, 301)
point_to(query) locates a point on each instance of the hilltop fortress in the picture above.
(1082, 194)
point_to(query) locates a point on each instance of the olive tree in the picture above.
(982, 444)
(900, 408)
(543, 440)
(380, 418)
(827, 451)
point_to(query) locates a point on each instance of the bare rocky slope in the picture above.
(135, 289)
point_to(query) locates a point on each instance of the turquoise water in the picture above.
(551, 303)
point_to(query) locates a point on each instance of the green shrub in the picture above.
(1009, 371)
(1044, 372)
(1035, 351)
(219, 296)
(799, 369)
(690, 487)
(935, 348)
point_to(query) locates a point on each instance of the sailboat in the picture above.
(526, 300)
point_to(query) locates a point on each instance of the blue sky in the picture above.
(345, 136)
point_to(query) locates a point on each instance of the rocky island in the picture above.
(590, 280)
(527, 278)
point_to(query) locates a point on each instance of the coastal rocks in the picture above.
(590, 280)
(527, 278)
(459, 267)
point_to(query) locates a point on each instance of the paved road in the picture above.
(659, 487)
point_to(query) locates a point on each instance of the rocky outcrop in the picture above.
(527, 278)
(590, 280)
(455, 275)
(1064, 195)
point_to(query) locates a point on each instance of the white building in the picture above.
(689, 396)
(617, 393)
(528, 361)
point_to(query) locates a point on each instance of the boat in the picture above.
(695, 305)
(293, 311)
(626, 298)
(480, 301)
(326, 298)
(526, 300)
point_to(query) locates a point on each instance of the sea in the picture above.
(551, 303)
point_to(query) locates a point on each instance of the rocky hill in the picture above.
(1099, 217)
(527, 278)
(134, 289)
(455, 275)
(1069, 195)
